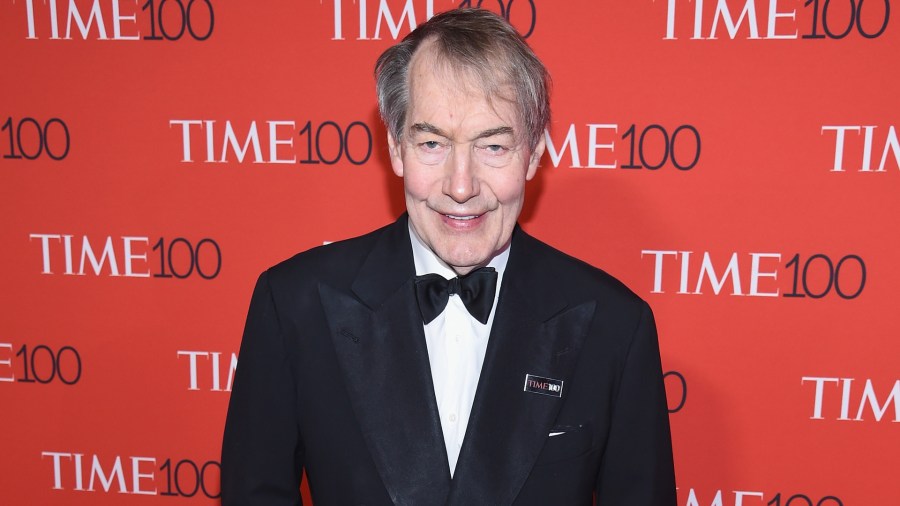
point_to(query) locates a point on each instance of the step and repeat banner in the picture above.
(735, 162)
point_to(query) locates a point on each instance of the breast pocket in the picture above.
(565, 442)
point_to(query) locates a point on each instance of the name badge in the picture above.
(543, 386)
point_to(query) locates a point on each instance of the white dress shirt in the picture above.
(456, 346)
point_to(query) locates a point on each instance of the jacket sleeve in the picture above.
(637, 468)
(262, 455)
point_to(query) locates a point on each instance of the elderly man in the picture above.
(449, 358)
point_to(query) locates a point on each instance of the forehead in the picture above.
(441, 88)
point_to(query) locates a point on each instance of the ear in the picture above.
(396, 156)
(535, 159)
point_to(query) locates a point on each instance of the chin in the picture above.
(468, 258)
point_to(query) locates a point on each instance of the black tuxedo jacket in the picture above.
(334, 377)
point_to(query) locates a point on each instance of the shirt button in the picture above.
(452, 417)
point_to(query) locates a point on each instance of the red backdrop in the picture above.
(735, 162)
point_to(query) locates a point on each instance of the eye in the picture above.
(495, 149)
(432, 151)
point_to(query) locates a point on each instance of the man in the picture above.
(528, 378)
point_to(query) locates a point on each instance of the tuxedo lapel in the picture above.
(536, 331)
(380, 345)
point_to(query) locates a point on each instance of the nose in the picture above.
(461, 182)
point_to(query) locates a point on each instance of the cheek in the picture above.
(508, 183)
(417, 189)
(509, 190)
(415, 182)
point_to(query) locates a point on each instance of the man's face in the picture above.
(464, 162)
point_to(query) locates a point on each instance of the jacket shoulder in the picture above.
(580, 280)
(334, 263)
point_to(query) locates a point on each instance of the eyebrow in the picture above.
(425, 127)
(504, 130)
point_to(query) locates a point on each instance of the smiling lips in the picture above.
(462, 222)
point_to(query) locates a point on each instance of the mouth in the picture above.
(467, 217)
(463, 222)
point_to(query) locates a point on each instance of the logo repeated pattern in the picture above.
(735, 162)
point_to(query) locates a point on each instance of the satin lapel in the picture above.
(380, 345)
(535, 332)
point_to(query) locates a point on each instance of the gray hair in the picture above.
(476, 41)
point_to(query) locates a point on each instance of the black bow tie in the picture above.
(476, 289)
